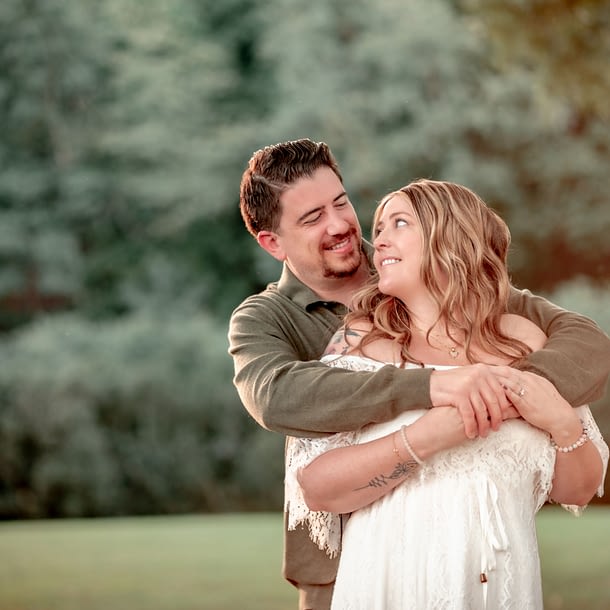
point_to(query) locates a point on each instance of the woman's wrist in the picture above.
(567, 433)
(579, 442)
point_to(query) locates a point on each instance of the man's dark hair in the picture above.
(271, 171)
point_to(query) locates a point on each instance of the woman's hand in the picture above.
(539, 403)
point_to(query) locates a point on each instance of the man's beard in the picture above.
(330, 272)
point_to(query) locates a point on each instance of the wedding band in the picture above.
(521, 392)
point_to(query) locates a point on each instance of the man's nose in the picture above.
(337, 224)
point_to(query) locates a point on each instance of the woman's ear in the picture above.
(269, 241)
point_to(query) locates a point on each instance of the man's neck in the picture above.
(342, 290)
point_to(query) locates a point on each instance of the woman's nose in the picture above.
(379, 241)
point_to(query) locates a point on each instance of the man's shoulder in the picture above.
(268, 300)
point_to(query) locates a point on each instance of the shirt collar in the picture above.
(300, 293)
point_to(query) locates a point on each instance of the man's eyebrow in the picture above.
(317, 209)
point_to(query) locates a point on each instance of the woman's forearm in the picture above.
(578, 469)
(345, 479)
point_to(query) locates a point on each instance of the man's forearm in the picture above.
(286, 389)
(311, 399)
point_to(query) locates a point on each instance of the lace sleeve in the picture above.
(324, 528)
(588, 422)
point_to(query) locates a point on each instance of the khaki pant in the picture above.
(309, 569)
(315, 597)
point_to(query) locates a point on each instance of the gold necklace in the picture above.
(451, 349)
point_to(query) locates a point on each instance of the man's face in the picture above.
(319, 235)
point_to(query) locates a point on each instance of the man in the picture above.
(293, 202)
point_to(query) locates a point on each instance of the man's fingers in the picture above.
(481, 414)
(495, 400)
(471, 427)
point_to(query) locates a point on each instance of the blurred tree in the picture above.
(419, 96)
(158, 161)
(53, 64)
(112, 115)
(133, 416)
(126, 128)
(565, 44)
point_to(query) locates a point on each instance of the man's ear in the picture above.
(268, 240)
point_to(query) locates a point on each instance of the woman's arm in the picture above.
(345, 479)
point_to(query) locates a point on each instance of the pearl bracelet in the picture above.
(584, 437)
(407, 445)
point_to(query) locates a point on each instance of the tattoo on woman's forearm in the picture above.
(401, 471)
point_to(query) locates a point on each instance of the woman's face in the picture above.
(398, 248)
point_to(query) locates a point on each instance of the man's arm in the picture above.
(576, 356)
(286, 389)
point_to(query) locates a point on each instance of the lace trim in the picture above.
(324, 528)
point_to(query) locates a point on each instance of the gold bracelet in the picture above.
(394, 449)
(406, 443)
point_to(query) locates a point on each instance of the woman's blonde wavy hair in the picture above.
(465, 243)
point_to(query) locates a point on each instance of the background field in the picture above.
(231, 562)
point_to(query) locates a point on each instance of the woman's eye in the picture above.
(401, 222)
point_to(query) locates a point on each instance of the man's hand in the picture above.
(478, 394)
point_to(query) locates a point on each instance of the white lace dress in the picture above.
(459, 534)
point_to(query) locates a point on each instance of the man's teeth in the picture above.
(341, 244)
(389, 261)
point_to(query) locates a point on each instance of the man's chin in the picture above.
(341, 272)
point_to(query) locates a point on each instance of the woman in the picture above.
(457, 529)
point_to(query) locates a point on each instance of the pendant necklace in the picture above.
(453, 352)
(451, 349)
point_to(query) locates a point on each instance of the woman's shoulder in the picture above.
(524, 330)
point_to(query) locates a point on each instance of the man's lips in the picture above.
(340, 245)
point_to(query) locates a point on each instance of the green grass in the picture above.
(220, 562)
(575, 557)
(232, 562)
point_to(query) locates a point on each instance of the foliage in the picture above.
(109, 155)
(420, 96)
(563, 43)
(132, 416)
(53, 67)
(126, 126)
